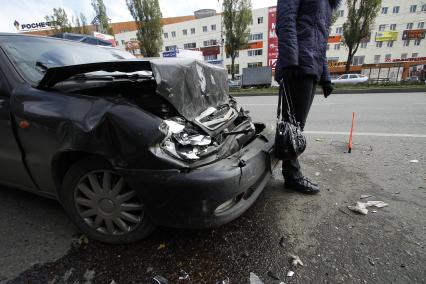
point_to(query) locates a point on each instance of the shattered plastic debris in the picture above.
(282, 242)
(174, 127)
(273, 275)
(160, 280)
(195, 140)
(183, 275)
(161, 246)
(317, 174)
(296, 261)
(361, 207)
(414, 161)
(254, 279)
(290, 274)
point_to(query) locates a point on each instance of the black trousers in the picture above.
(302, 91)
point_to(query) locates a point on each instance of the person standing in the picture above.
(302, 28)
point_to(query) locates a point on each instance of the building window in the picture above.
(413, 8)
(340, 13)
(395, 9)
(210, 42)
(254, 65)
(384, 10)
(170, 48)
(213, 27)
(204, 29)
(192, 31)
(392, 27)
(339, 30)
(379, 44)
(414, 55)
(388, 57)
(409, 26)
(260, 20)
(424, 8)
(377, 59)
(210, 57)
(358, 60)
(404, 56)
(417, 42)
(185, 32)
(236, 69)
(382, 28)
(406, 42)
(364, 44)
(258, 36)
(173, 34)
(337, 46)
(421, 25)
(390, 43)
(190, 45)
(166, 35)
(255, 52)
(328, 47)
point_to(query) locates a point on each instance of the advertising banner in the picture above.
(335, 39)
(272, 38)
(211, 50)
(413, 34)
(170, 53)
(386, 36)
(255, 45)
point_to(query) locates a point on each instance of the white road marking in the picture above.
(368, 134)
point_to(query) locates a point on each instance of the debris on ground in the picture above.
(317, 174)
(364, 196)
(113, 282)
(273, 275)
(361, 207)
(254, 279)
(183, 275)
(282, 242)
(320, 139)
(414, 161)
(67, 275)
(161, 246)
(88, 276)
(149, 269)
(81, 241)
(160, 280)
(290, 274)
(295, 261)
(225, 281)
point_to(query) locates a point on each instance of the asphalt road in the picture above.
(335, 244)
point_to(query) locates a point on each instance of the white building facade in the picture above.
(398, 35)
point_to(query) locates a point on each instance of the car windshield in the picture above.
(32, 56)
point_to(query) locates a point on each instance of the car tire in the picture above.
(102, 205)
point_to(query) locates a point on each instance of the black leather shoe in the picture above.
(302, 185)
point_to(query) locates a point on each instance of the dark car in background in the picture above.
(125, 144)
(83, 38)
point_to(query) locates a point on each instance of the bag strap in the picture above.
(288, 107)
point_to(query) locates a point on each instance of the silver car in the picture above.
(350, 79)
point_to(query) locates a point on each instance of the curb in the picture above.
(344, 91)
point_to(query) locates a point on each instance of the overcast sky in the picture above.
(32, 11)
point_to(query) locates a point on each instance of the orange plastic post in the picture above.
(351, 133)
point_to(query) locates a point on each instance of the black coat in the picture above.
(302, 29)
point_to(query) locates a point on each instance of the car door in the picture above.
(343, 79)
(12, 169)
(353, 79)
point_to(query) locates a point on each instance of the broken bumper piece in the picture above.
(210, 195)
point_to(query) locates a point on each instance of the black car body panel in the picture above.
(129, 121)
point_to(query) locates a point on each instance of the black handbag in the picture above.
(289, 139)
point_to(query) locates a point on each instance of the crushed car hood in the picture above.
(191, 86)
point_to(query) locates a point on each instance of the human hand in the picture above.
(327, 88)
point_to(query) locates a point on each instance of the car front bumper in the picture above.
(191, 199)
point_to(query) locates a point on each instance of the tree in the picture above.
(80, 24)
(101, 16)
(358, 26)
(237, 16)
(84, 26)
(147, 16)
(59, 21)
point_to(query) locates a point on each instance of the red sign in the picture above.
(255, 45)
(335, 39)
(272, 38)
(409, 59)
(413, 34)
(211, 50)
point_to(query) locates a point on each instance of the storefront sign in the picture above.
(386, 36)
(413, 34)
(215, 62)
(255, 45)
(335, 39)
(272, 38)
(33, 26)
(411, 59)
(211, 50)
(333, 64)
(170, 53)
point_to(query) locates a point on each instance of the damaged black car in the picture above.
(126, 144)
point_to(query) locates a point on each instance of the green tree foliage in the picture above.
(358, 26)
(147, 16)
(237, 16)
(101, 14)
(59, 21)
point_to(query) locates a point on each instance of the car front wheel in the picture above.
(102, 205)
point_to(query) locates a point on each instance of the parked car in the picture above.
(126, 144)
(350, 79)
(234, 84)
(83, 38)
